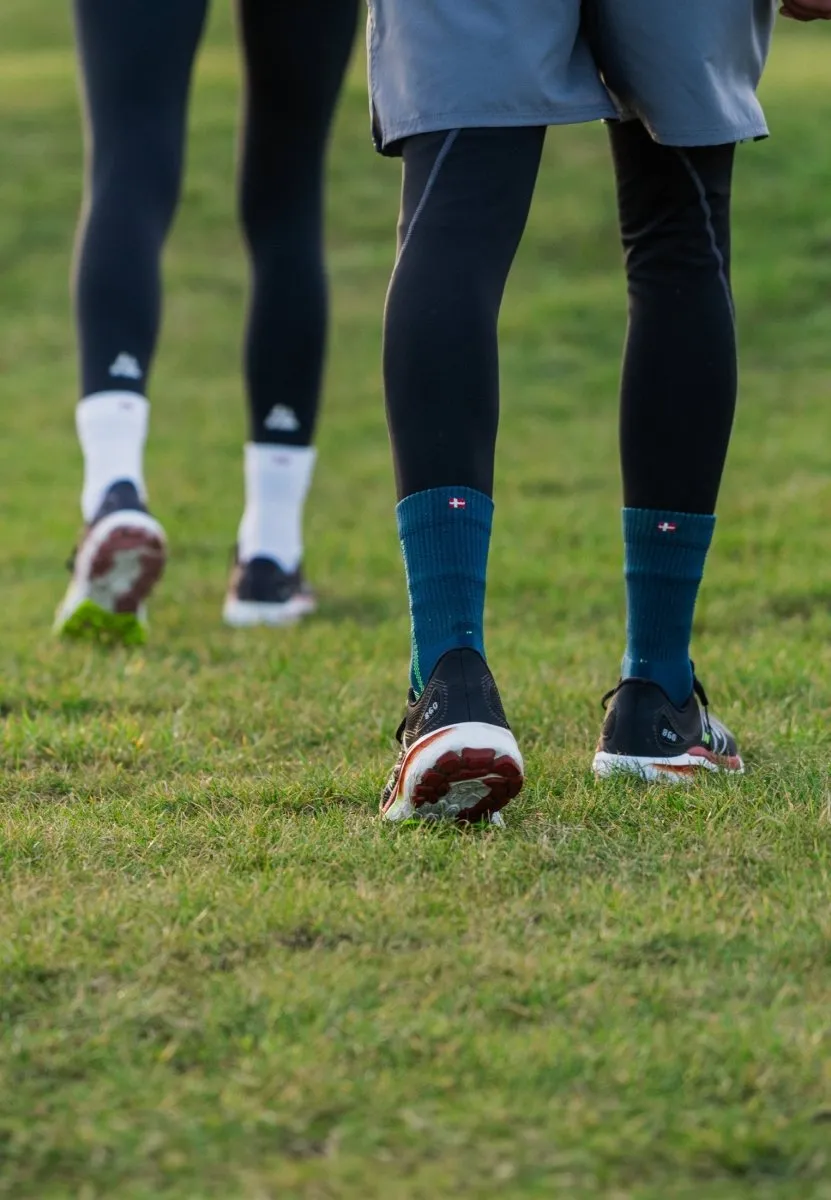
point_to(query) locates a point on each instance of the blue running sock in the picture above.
(445, 535)
(664, 555)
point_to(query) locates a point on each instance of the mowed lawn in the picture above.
(220, 975)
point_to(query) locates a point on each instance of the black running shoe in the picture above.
(458, 756)
(260, 592)
(645, 734)
(116, 564)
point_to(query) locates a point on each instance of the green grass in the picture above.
(219, 975)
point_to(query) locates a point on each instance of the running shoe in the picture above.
(459, 759)
(260, 592)
(645, 734)
(116, 564)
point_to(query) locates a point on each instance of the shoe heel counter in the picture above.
(623, 728)
(609, 728)
(479, 692)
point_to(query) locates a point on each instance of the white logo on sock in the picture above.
(283, 419)
(126, 367)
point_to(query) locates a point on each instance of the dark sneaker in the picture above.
(645, 734)
(458, 756)
(117, 563)
(260, 592)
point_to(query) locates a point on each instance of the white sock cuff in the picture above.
(278, 470)
(130, 409)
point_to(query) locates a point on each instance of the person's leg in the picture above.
(689, 75)
(465, 202)
(678, 398)
(678, 391)
(296, 56)
(136, 58)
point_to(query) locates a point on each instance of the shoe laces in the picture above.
(698, 688)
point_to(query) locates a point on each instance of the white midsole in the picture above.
(425, 753)
(655, 768)
(247, 613)
(106, 590)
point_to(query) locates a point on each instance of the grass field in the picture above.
(220, 976)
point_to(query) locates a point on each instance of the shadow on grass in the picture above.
(366, 611)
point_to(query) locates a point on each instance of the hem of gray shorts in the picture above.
(435, 123)
(710, 135)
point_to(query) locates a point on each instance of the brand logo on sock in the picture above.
(282, 419)
(126, 367)
(667, 527)
(456, 502)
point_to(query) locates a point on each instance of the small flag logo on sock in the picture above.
(456, 502)
(667, 527)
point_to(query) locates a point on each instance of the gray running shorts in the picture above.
(688, 69)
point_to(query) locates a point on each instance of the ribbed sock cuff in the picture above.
(442, 506)
(668, 532)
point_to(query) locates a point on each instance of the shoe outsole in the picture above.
(116, 569)
(248, 614)
(465, 773)
(682, 768)
(91, 623)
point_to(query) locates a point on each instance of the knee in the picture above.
(680, 225)
(139, 175)
(681, 241)
(281, 205)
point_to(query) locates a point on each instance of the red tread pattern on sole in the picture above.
(152, 563)
(502, 776)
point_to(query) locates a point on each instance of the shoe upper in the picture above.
(121, 496)
(642, 721)
(263, 581)
(460, 689)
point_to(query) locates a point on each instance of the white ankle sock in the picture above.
(112, 430)
(277, 480)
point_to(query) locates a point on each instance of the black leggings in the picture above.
(137, 59)
(465, 202)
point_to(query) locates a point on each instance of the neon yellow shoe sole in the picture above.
(91, 623)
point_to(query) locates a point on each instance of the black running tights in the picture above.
(137, 59)
(466, 198)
